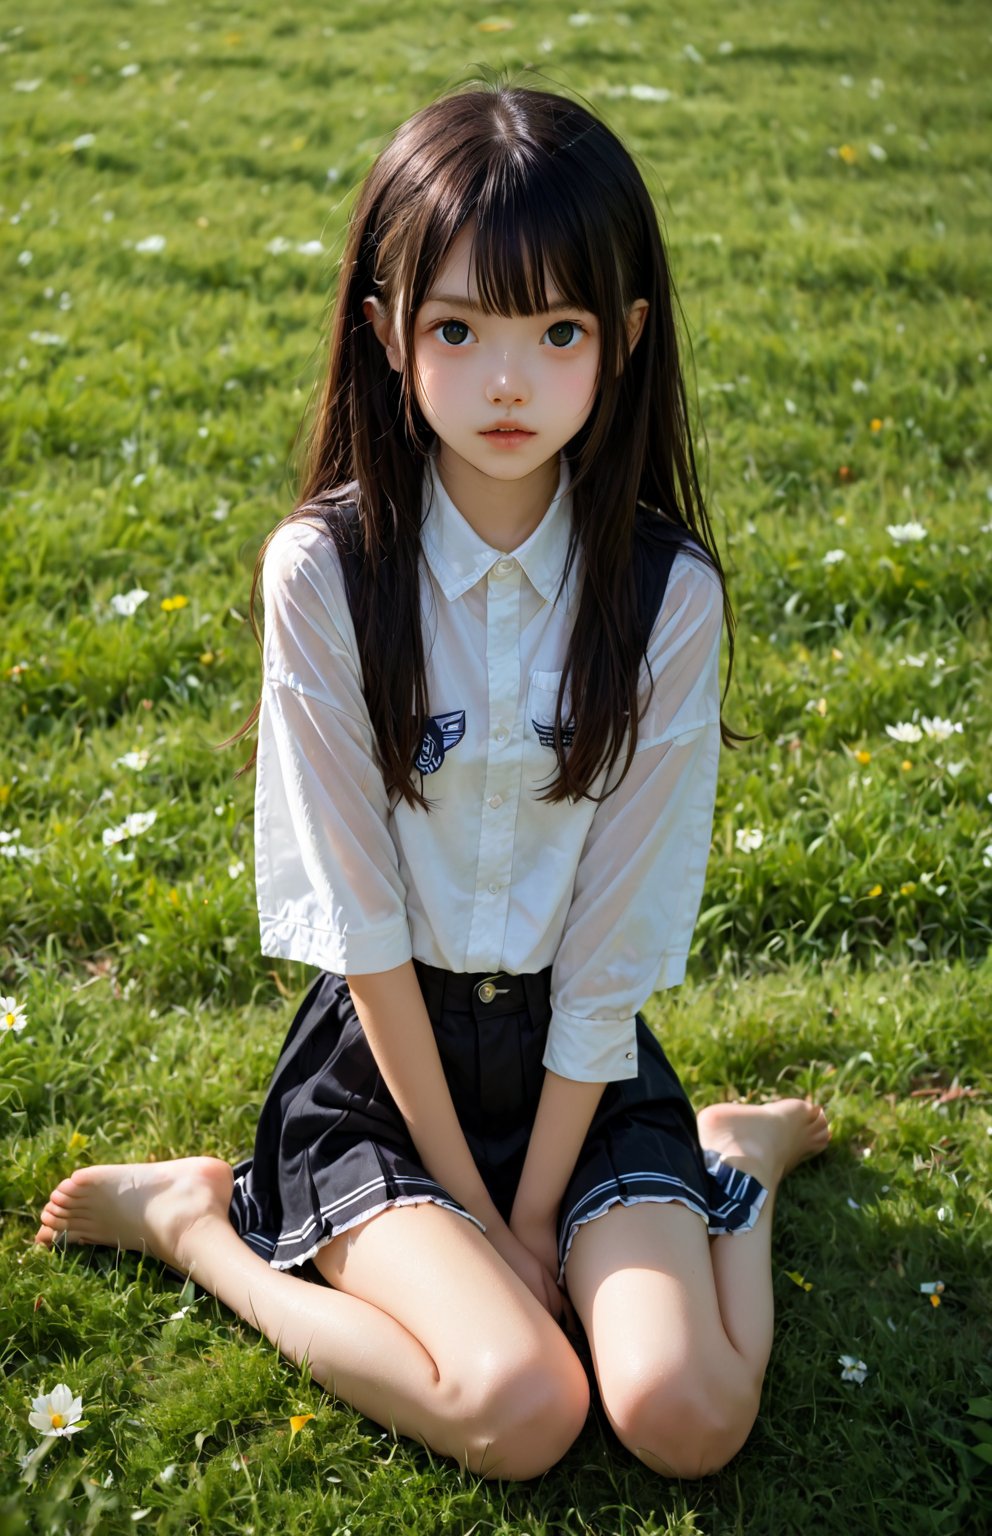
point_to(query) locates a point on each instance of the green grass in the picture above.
(825, 186)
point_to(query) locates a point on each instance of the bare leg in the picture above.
(679, 1324)
(767, 1140)
(501, 1391)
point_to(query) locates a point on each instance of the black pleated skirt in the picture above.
(332, 1149)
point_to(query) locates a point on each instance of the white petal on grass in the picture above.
(127, 603)
(311, 248)
(12, 1016)
(25, 259)
(46, 338)
(904, 731)
(136, 761)
(84, 141)
(913, 661)
(987, 856)
(236, 869)
(26, 85)
(834, 556)
(278, 246)
(132, 826)
(693, 54)
(748, 839)
(906, 533)
(940, 730)
(581, 19)
(151, 244)
(56, 1412)
(853, 1369)
(648, 93)
(859, 387)
(128, 70)
(877, 152)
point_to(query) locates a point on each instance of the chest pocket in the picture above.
(539, 723)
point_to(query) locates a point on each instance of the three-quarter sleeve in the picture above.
(640, 877)
(327, 874)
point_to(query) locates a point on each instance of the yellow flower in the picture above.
(835, 654)
(908, 888)
(297, 1422)
(207, 658)
(848, 153)
(77, 1141)
(172, 604)
(173, 896)
(494, 24)
(800, 1280)
(864, 758)
(905, 765)
(876, 890)
(4, 793)
(876, 424)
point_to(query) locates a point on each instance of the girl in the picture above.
(488, 741)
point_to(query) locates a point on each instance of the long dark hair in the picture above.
(555, 198)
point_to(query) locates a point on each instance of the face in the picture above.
(478, 374)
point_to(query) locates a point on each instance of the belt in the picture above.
(484, 994)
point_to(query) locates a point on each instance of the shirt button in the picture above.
(495, 801)
(630, 1055)
(501, 734)
(495, 887)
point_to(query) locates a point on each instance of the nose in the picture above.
(507, 384)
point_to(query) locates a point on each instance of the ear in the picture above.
(384, 330)
(636, 316)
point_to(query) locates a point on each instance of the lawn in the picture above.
(176, 188)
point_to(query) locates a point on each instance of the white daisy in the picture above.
(834, 556)
(133, 760)
(906, 533)
(853, 1369)
(12, 1016)
(127, 603)
(748, 839)
(151, 243)
(940, 730)
(56, 1412)
(905, 731)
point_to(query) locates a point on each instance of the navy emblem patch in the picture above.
(546, 733)
(441, 733)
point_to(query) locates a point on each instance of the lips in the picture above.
(507, 427)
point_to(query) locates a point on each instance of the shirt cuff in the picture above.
(591, 1050)
(357, 954)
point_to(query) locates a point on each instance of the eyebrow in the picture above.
(460, 301)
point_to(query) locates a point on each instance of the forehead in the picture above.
(456, 274)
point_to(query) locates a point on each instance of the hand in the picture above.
(536, 1276)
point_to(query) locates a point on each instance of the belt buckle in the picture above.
(486, 990)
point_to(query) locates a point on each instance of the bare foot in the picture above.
(767, 1140)
(148, 1207)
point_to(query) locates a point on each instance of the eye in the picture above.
(458, 326)
(565, 334)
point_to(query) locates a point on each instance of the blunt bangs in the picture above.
(552, 198)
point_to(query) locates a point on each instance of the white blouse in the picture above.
(492, 879)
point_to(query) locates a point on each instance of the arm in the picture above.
(330, 891)
(637, 892)
(391, 1010)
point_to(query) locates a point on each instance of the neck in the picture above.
(504, 513)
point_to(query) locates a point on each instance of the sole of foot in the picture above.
(145, 1207)
(768, 1140)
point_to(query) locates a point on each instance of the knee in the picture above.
(519, 1418)
(687, 1427)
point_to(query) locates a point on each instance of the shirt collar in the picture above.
(459, 558)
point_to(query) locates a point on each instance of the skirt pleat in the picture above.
(332, 1150)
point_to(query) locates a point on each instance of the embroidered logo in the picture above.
(441, 733)
(546, 733)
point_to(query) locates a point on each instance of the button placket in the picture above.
(502, 782)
